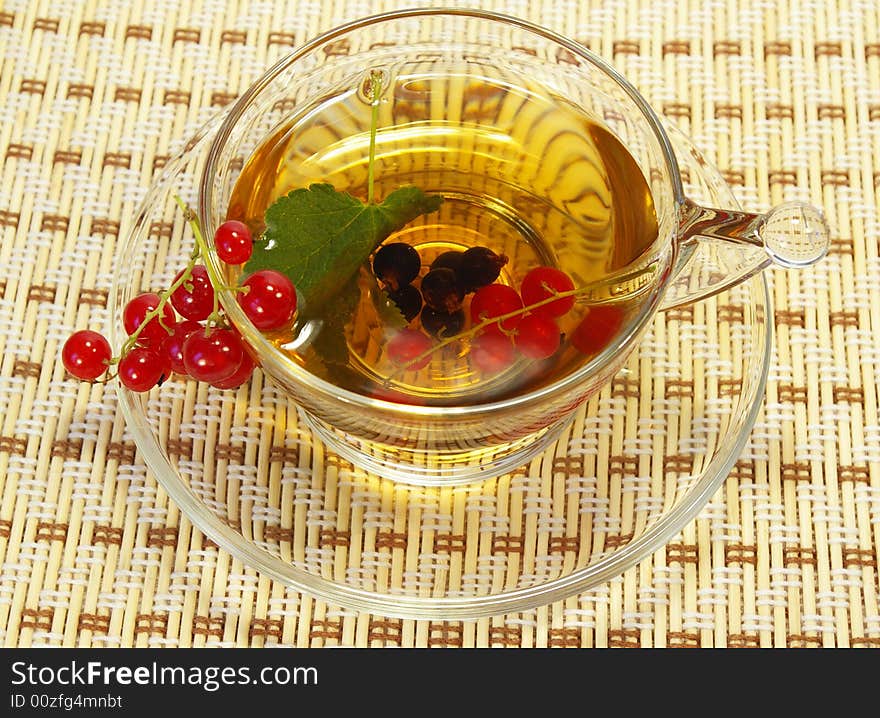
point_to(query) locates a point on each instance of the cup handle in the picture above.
(720, 248)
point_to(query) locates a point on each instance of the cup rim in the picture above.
(270, 356)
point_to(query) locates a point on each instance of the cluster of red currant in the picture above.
(182, 329)
(504, 323)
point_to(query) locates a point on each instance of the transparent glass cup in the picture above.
(698, 250)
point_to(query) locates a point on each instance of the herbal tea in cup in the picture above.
(515, 199)
(478, 218)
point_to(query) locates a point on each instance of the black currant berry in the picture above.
(408, 300)
(442, 324)
(480, 266)
(442, 291)
(450, 259)
(396, 264)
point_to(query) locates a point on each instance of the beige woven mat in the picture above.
(783, 97)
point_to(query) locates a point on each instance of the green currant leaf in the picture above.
(319, 237)
(389, 313)
(330, 342)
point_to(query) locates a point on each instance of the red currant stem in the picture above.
(158, 311)
(375, 92)
(555, 295)
(216, 317)
(202, 248)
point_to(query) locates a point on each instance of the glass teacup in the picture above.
(508, 122)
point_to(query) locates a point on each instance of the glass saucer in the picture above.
(636, 464)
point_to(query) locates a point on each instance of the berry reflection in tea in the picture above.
(529, 266)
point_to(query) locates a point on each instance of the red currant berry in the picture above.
(270, 299)
(214, 357)
(172, 344)
(597, 329)
(194, 299)
(537, 337)
(233, 242)
(239, 376)
(495, 300)
(85, 354)
(157, 328)
(406, 346)
(143, 368)
(492, 352)
(542, 283)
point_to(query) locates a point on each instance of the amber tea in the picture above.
(526, 178)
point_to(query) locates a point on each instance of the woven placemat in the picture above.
(784, 98)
